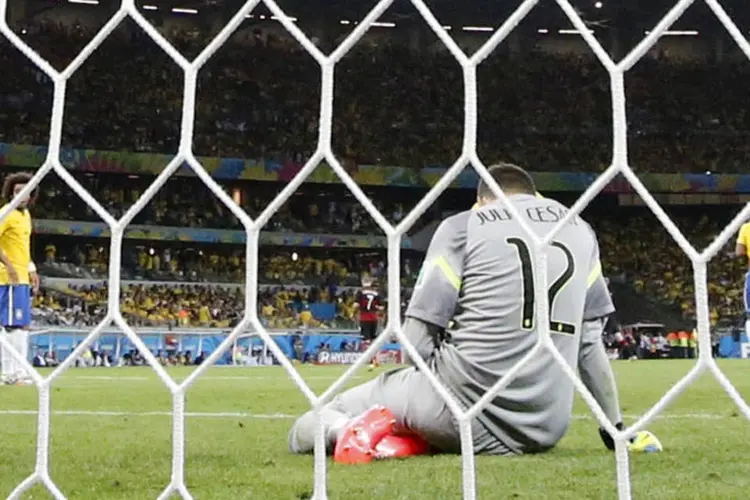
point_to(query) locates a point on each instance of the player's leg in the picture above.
(747, 305)
(334, 417)
(20, 342)
(18, 322)
(405, 392)
(369, 332)
(7, 362)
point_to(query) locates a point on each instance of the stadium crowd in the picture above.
(184, 306)
(291, 287)
(262, 101)
(217, 263)
(659, 268)
(187, 202)
(392, 106)
(655, 266)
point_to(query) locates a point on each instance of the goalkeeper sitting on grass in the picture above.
(478, 278)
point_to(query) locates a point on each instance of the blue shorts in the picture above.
(15, 305)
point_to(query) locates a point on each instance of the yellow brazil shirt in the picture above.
(15, 243)
(204, 315)
(305, 316)
(744, 237)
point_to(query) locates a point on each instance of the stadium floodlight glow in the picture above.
(292, 19)
(344, 22)
(572, 32)
(676, 33)
(542, 31)
(377, 24)
(478, 28)
(85, 2)
(180, 10)
(598, 5)
(150, 7)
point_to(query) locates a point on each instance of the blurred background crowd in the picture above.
(547, 108)
(259, 96)
(210, 275)
(186, 202)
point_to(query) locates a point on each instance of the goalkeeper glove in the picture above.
(609, 442)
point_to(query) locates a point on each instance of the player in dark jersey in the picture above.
(369, 306)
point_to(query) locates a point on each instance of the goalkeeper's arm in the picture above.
(597, 376)
(425, 337)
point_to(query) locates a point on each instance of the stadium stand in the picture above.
(324, 287)
(272, 115)
(185, 202)
(654, 267)
(544, 103)
(274, 112)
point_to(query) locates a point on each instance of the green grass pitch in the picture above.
(111, 439)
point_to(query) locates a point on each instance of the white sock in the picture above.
(302, 436)
(20, 341)
(7, 363)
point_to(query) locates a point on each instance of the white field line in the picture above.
(82, 413)
(155, 379)
(272, 416)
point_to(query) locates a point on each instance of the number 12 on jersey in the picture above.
(529, 298)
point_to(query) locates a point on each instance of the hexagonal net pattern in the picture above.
(324, 152)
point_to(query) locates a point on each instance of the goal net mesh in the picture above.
(324, 153)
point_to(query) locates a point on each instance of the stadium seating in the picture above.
(183, 306)
(654, 266)
(322, 285)
(637, 249)
(274, 112)
(186, 202)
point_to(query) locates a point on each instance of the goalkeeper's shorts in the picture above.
(747, 293)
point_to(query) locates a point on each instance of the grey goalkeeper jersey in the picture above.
(478, 283)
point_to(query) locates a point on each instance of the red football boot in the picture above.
(357, 443)
(392, 446)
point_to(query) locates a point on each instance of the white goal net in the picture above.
(323, 152)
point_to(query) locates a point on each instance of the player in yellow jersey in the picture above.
(18, 277)
(743, 251)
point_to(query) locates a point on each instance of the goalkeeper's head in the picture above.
(13, 185)
(512, 179)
